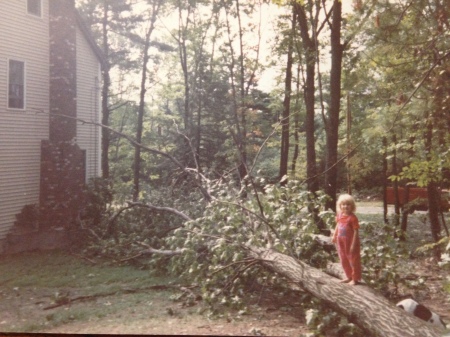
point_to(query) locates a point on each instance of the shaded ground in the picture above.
(161, 317)
(128, 301)
(56, 293)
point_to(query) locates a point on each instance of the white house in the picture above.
(50, 71)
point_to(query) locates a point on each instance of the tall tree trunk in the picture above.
(349, 145)
(202, 82)
(284, 151)
(239, 135)
(243, 110)
(296, 124)
(182, 31)
(140, 121)
(309, 92)
(332, 129)
(432, 190)
(385, 178)
(141, 109)
(434, 201)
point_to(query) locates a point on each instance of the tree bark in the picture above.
(432, 191)
(395, 184)
(309, 92)
(433, 211)
(284, 151)
(242, 110)
(182, 37)
(385, 178)
(239, 136)
(332, 127)
(296, 124)
(140, 121)
(369, 310)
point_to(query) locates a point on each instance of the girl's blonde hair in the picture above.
(348, 199)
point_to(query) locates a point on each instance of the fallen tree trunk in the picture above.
(335, 269)
(369, 310)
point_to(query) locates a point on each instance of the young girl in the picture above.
(346, 237)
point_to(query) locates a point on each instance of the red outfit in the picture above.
(351, 262)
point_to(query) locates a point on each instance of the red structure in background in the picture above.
(418, 196)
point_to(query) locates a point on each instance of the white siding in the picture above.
(88, 104)
(26, 38)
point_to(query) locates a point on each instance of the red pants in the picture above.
(351, 263)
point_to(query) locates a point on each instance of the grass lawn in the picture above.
(31, 283)
(54, 292)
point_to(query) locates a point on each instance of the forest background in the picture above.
(201, 157)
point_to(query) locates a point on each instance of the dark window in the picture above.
(34, 7)
(16, 85)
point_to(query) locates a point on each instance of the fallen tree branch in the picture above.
(67, 300)
(113, 218)
(245, 261)
(239, 272)
(84, 258)
(323, 239)
(150, 250)
(162, 209)
(164, 252)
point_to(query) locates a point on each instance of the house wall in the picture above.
(88, 104)
(25, 38)
(34, 149)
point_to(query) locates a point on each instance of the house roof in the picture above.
(88, 35)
